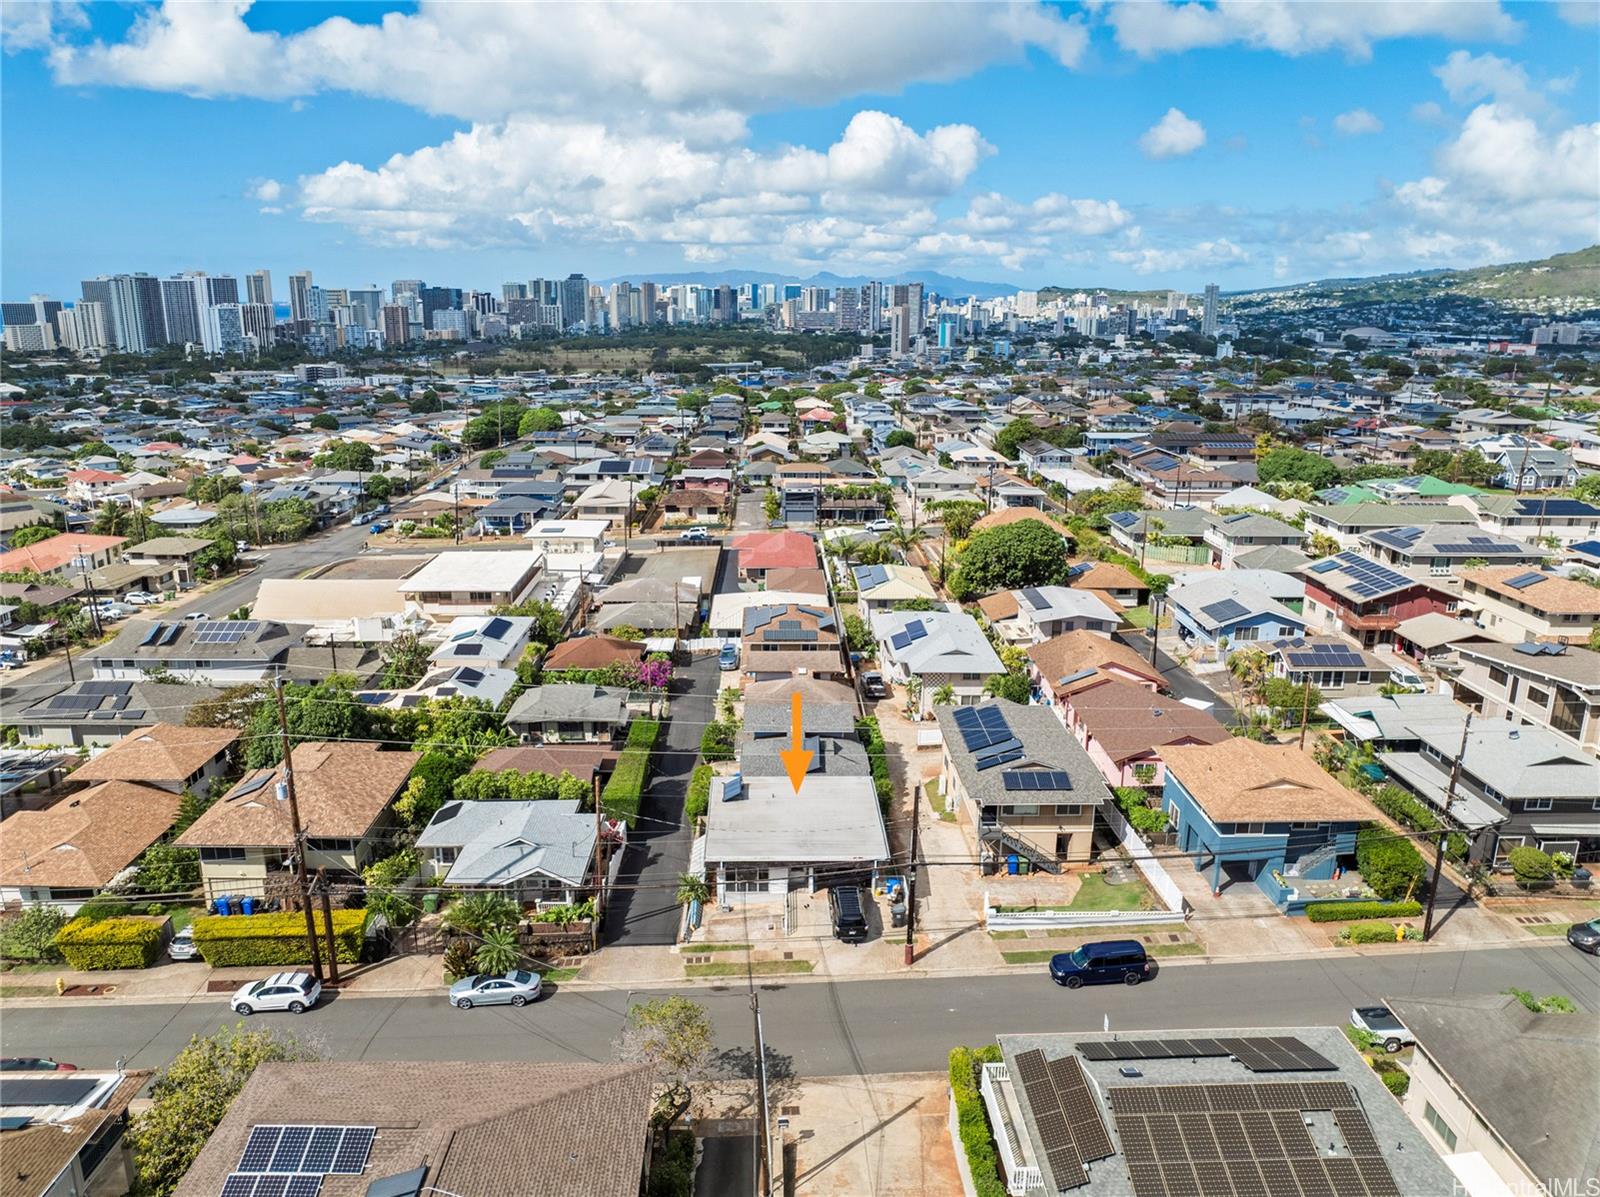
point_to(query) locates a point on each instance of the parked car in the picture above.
(881, 526)
(196, 616)
(515, 988)
(110, 610)
(695, 535)
(378, 526)
(34, 1064)
(847, 914)
(873, 685)
(182, 946)
(294, 992)
(1101, 963)
(241, 546)
(141, 598)
(1380, 1022)
(728, 658)
(1585, 936)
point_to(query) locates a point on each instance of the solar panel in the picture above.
(916, 629)
(1322, 567)
(303, 1186)
(496, 628)
(1034, 598)
(271, 1184)
(172, 635)
(1226, 610)
(156, 629)
(900, 640)
(323, 1147)
(239, 1184)
(1522, 581)
(1000, 754)
(291, 1147)
(353, 1148)
(106, 688)
(259, 1147)
(1036, 779)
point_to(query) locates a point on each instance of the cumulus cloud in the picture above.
(1468, 78)
(30, 24)
(1172, 136)
(1357, 122)
(1154, 27)
(268, 191)
(1203, 254)
(1579, 12)
(1428, 113)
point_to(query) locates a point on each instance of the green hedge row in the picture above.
(1335, 912)
(699, 798)
(878, 758)
(625, 788)
(972, 1120)
(230, 941)
(1391, 866)
(1370, 933)
(1403, 807)
(110, 943)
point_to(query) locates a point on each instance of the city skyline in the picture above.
(1116, 145)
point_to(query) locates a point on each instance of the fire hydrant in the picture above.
(61, 986)
(1399, 932)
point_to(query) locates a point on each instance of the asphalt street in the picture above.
(822, 1028)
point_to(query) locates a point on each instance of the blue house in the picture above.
(1261, 813)
(1220, 611)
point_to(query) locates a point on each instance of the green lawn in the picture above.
(557, 975)
(696, 948)
(1139, 617)
(935, 793)
(11, 989)
(1033, 956)
(1096, 893)
(760, 968)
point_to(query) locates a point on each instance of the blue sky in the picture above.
(1144, 144)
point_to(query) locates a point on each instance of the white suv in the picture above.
(294, 992)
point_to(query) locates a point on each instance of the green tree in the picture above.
(1284, 463)
(673, 1035)
(539, 419)
(1026, 553)
(379, 487)
(692, 889)
(217, 557)
(498, 951)
(899, 437)
(957, 516)
(1012, 686)
(168, 869)
(405, 661)
(346, 455)
(328, 710)
(858, 635)
(190, 1097)
(325, 421)
(31, 935)
(32, 534)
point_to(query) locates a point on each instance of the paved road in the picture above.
(658, 848)
(822, 1028)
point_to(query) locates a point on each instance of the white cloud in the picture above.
(1201, 255)
(30, 24)
(268, 191)
(1468, 78)
(1152, 27)
(1172, 136)
(1428, 113)
(1579, 12)
(1357, 122)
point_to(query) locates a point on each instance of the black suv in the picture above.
(848, 915)
(1101, 963)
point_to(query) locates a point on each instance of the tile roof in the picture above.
(86, 839)
(774, 550)
(1243, 780)
(163, 752)
(340, 788)
(479, 1128)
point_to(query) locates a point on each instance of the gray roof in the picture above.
(1531, 1076)
(502, 842)
(954, 642)
(1520, 762)
(1578, 666)
(1045, 744)
(817, 719)
(109, 706)
(201, 640)
(1048, 603)
(1248, 523)
(830, 819)
(831, 756)
(1198, 594)
(1279, 557)
(570, 701)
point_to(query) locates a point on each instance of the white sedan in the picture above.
(294, 992)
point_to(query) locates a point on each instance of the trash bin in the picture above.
(1582, 878)
(247, 905)
(1012, 865)
(1022, 867)
(897, 914)
(430, 902)
(223, 904)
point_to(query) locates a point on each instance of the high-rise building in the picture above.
(872, 308)
(814, 299)
(396, 324)
(130, 304)
(30, 338)
(368, 303)
(258, 287)
(574, 300)
(84, 326)
(260, 323)
(617, 305)
(453, 321)
(181, 307)
(725, 304)
(438, 299)
(849, 300)
(300, 296)
(511, 292)
(222, 329)
(1208, 312)
(647, 303)
(900, 330)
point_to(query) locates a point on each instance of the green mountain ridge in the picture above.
(1573, 275)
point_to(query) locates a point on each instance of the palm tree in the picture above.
(905, 539)
(498, 952)
(692, 889)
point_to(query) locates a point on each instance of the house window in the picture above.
(1440, 1127)
(219, 855)
(1497, 676)
(1304, 826)
(1021, 808)
(1567, 715)
(1251, 633)
(1068, 810)
(746, 881)
(479, 596)
(1249, 829)
(1537, 697)
(1533, 804)
(331, 845)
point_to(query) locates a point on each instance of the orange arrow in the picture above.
(797, 759)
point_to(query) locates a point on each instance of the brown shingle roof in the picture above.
(1128, 720)
(559, 1130)
(1014, 515)
(1002, 604)
(83, 841)
(593, 652)
(37, 1154)
(1246, 781)
(1106, 575)
(164, 752)
(1073, 652)
(1553, 595)
(340, 788)
(580, 760)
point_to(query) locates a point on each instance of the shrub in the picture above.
(110, 943)
(1369, 933)
(392, 870)
(698, 800)
(878, 760)
(31, 935)
(1391, 866)
(972, 1121)
(227, 941)
(483, 911)
(1334, 912)
(1531, 867)
(625, 788)
(1147, 820)
(1397, 1082)
(672, 1170)
(716, 742)
(458, 958)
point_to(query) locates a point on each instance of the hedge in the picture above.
(1391, 866)
(111, 943)
(699, 799)
(227, 941)
(878, 759)
(972, 1120)
(1370, 933)
(1335, 912)
(1530, 866)
(625, 788)
(716, 742)
(1402, 807)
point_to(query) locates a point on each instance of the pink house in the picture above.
(1125, 727)
(1063, 665)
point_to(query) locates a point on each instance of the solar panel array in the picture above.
(987, 736)
(870, 576)
(1523, 581)
(1246, 1141)
(271, 1184)
(792, 634)
(1539, 648)
(1034, 597)
(1036, 779)
(1398, 538)
(1225, 610)
(1275, 1053)
(1483, 546)
(1323, 656)
(1550, 507)
(290, 1161)
(224, 631)
(1070, 1128)
(913, 631)
(1368, 579)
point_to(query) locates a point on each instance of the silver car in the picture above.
(515, 988)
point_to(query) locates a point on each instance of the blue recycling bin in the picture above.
(1012, 864)
(247, 905)
(223, 904)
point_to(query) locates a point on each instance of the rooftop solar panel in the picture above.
(1225, 610)
(1522, 581)
(353, 1149)
(259, 1147)
(239, 1184)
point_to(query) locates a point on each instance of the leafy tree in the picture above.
(325, 421)
(425, 404)
(1587, 488)
(673, 1035)
(498, 951)
(234, 708)
(858, 635)
(405, 661)
(328, 710)
(31, 935)
(1013, 686)
(1286, 699)
(1283, 463)
(1026, 553)
(539, 419)
(464, 726)
(379, 487)
(549, 621)
(346, 455)
(167, 869)
(32, 534)
(692, 889)
(482, 912)
(217, 557)
(899, 437)
(1098, 504)
(191, 1096)
(957, 516)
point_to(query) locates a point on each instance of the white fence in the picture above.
(1022, 920)
(709, 644)
(1164, 886)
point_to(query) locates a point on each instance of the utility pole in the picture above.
(1444, 832)
(299, 839)
(599, 873)
(1305, 710)
(1156, 603)
(455, 509)
(762, 1177)
(911, 881)
(327, 924)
